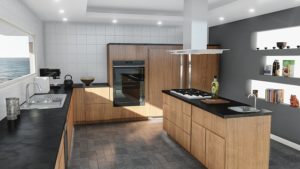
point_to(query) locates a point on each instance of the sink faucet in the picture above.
(27, 90)
(254, 96)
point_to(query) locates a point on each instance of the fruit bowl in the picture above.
(87, 80)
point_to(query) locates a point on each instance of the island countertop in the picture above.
(32, 141)
(220, 110)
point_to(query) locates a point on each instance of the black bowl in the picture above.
(281, 45)
(87, 81)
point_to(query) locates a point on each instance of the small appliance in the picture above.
(53, 74)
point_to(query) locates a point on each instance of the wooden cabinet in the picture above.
(198, 142)
(177, 122)
(215, 151)
(70, 125)
(79, 104)
(218, 143)
(164, 73)
(99, 95)
(60, 160)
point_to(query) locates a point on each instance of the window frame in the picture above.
(31, 74)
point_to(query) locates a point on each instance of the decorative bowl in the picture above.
(87, 80)
(281, 45)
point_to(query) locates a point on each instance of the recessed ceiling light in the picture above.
(221, 18)
(56, 0)
(114, 21)
(159, 23)
(251, 10)
(61, 11)
(65, 19)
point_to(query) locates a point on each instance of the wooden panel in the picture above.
(198, 142)
(248, 143)
(179, 135)
(164, 73)
(60, 159)
(178, 112)
(79, 112)
(94, 112)
(166, 110)
(187, 122)
(172, 129)
(70, 124)
(204, 68)
(166, 124)
(187, 109)
(209, 121)
(215, 151)
(96, 95)
(186, 141)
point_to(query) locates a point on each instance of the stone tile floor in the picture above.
(143, 145)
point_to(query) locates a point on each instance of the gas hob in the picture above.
(191, 93)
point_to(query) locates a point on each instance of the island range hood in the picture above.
(195, 29)
(195, 36)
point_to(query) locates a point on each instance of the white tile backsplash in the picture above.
(80, 49)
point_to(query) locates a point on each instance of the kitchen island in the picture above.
(218, 137)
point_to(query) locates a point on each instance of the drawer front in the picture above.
(209, 121)
(96, 95)
(187, 124)
(187, 109)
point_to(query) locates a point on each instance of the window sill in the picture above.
(16, 80)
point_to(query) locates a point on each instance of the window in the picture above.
(16, 53)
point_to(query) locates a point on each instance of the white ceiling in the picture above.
(150, 11)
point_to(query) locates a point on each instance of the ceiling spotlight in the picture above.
(61, 11)
(221, 18)
(159, 23)
(251, 10)
(114, 21)
(65, 19)
(56, 0)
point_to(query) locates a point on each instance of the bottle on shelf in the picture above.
(215, 87)
(276, 68)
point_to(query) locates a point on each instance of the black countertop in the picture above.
(32, 142)
(220, 110)
(81, 85)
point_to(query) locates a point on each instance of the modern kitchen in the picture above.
(161, 84)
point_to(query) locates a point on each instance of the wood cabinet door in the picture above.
(95, 112)
(187, 123)
(215, 151)
(198, 142)
(97, 95)
(79, 103)
(164, 73)
(60, 159)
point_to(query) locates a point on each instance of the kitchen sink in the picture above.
(45, 101)
(244, 109)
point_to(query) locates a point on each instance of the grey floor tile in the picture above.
(143, 145)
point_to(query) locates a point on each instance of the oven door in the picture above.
(129, 86)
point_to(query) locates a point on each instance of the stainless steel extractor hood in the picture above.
(195, 35)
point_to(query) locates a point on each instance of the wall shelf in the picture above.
(280, 79)
(279, 52)
(261, 100)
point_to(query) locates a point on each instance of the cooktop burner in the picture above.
(191, 93)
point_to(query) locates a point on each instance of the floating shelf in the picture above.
(280, 79)
(276, 104)
(279, 52)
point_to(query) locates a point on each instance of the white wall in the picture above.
(16, 13)
(80, 49)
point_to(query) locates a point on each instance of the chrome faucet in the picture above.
(27, 90)
(254, 96)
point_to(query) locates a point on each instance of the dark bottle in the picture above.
(276, 68)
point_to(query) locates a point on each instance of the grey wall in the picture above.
(242, 63)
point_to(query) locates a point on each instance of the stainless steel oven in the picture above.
(128, 83)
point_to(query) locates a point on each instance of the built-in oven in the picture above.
(128, 83)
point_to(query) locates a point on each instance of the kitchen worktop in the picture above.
(220, 110)
(32, 142)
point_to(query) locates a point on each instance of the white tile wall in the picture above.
(16, 13)
(80, 49)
